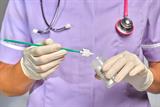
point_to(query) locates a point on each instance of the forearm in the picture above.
(155, 87)
(12, 80)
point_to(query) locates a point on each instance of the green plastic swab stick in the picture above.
(31, 44)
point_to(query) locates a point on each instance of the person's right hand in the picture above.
(39, 62)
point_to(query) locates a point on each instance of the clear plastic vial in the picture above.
(97, 65)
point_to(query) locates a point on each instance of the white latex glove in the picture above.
(39, 62)
(127, 66)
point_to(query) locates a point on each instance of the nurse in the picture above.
(56, 78)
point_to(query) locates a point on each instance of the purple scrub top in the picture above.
(93, 21)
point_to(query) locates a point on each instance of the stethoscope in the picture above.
(124, 27)
(50, 26)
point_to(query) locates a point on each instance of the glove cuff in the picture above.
(148, 82)
(28, 73)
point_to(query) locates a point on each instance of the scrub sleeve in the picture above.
(14, 27)
(151, 39)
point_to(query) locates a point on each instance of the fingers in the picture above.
(41, 61)
(122, 65)
(46, 74)
(43, 50)
(115, 68)
(48, 66)
(49, 57)
(109, 63)
(125, 66)
(124, 72)
(137, 70)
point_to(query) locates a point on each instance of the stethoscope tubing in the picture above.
(121, 30)
(55, 16)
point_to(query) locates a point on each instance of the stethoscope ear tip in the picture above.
(67, 26)
(35, 31)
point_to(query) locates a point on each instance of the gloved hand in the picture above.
(39, 62)
(127, 67)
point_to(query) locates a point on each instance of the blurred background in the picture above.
(3, 4)
(10, 101)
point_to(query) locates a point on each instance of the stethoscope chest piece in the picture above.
(124, 27)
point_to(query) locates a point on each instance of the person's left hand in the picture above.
(127, 66)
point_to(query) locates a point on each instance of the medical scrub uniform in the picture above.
(93, 27)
